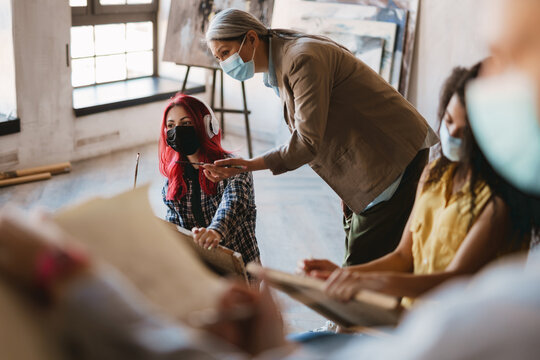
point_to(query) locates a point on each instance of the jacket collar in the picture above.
(278, 48)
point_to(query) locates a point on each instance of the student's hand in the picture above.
(260, 329)
(344, 284)
(206, 238)
(318, 268)
(218, 171)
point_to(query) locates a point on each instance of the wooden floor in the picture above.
(298, 215)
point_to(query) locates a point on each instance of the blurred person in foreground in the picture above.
(504, 105)
(99, 315)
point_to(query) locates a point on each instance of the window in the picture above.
(112, 40)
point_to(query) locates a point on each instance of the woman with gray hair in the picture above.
(355, 130)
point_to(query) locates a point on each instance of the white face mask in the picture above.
(503, 112)
(451, 146)
(236, 68)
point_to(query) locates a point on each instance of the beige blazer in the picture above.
(354, 129)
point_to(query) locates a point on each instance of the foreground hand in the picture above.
(318, 268)
(218, 171)
(261, 330)
(206, 238)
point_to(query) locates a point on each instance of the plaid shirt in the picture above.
(231, 212)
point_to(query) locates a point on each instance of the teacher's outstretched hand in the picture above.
(226, 168)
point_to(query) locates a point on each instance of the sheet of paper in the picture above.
(222, 260)
(123, 232)
(367, 309)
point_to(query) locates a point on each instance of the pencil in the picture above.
(136, 170)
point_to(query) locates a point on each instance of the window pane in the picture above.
(140, 64)
(131, 2)
(82, 41)
(110, 39)
(82, 72)
(112, 2)
(139, 36)
(77, 3)
(110, 68)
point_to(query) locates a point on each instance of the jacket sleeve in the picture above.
(311, 80)
(237, 199)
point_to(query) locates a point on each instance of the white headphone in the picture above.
(211, 123)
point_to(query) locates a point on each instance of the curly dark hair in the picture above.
(524, 211)
(455, 84)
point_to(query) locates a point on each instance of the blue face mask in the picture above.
(503, 113)
(236, 68)
(451, 146)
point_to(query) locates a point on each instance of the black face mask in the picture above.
(183, 139)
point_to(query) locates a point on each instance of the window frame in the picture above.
(96, 14)
(121, 9)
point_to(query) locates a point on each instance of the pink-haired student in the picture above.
(220, 212)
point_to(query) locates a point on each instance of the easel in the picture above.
(222, 109)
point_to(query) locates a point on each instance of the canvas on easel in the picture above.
(188, 22)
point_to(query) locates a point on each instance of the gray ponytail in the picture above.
(233, 24)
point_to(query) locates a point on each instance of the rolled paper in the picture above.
(25, 179)
(53, 169)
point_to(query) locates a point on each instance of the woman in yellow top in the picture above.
(464, 216)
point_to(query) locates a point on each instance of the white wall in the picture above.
(448, 35)
(40, 34)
